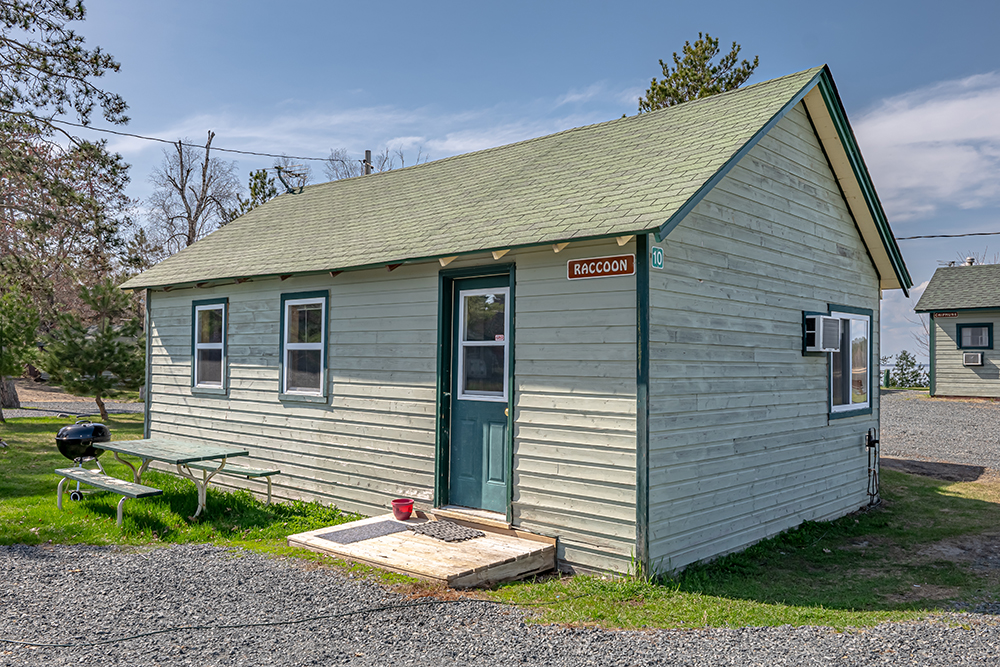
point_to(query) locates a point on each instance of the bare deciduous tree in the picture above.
(341, 165)
(193, 193)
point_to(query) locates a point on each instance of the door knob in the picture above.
(506, 412)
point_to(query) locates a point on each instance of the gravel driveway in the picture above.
(917, 427)
(73, 408)
(82, 594)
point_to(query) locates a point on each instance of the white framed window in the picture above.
(483, 353)
(850, 367)
(303, 345)
(209, 344)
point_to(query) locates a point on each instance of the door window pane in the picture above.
(485, 318)
(484, 368)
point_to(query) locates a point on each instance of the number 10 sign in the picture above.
(656, 257)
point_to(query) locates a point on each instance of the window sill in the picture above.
(210, 391)
(851, 413)
(302, 398)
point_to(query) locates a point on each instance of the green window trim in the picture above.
(959, 328)
(200, 304)
(308, 397)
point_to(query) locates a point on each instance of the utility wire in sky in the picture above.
(167, 141)
(946, 236)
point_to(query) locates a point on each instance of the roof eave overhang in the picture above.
(218, 281)
(827, 112)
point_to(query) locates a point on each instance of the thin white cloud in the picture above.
(936, 147)
(585, 95)
(898, 324)
(314, 133)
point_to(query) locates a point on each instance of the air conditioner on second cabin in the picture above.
(972, 358)
(822, 333)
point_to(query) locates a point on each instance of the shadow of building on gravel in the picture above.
(949, 472)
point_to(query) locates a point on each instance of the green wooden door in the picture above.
(480, 358)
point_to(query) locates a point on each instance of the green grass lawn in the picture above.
(28, 513)
(926, 549)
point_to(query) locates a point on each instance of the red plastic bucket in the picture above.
(402, 508)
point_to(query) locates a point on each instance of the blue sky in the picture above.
(920, 81)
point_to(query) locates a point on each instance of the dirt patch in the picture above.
(29, 391)
(924, 592)
(978, 551)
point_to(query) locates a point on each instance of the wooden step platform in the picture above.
(500, 555)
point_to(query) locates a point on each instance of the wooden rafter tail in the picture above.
(392, 267)
(240, 281)
(497, 254)
(445, 261)
(286, 276)
(622, 240)
(334, 274)
(559, 247)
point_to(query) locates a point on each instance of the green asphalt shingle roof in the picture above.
(620, 177)
(960, 287)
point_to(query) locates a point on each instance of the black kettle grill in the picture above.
(76, 443)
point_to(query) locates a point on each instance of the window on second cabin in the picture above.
(849, 368)
(975, 336)
(210, 326)
(304, 346)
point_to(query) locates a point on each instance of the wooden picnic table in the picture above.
(175, 452)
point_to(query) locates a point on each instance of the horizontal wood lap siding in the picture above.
(374, 438)
(574, 421)
(741, 446)
(951, 377)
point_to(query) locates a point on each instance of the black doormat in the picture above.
(446, 530)
(364, 532)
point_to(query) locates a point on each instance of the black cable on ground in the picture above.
(265, 624)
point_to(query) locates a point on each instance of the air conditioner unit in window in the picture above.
(822, 334)
(972, 358)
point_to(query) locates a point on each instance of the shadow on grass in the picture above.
(922, 549)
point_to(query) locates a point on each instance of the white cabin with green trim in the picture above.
(963, 303)
(598, 336)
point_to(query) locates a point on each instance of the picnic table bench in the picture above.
(240, 471)
(181, 453)
(98, 479)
